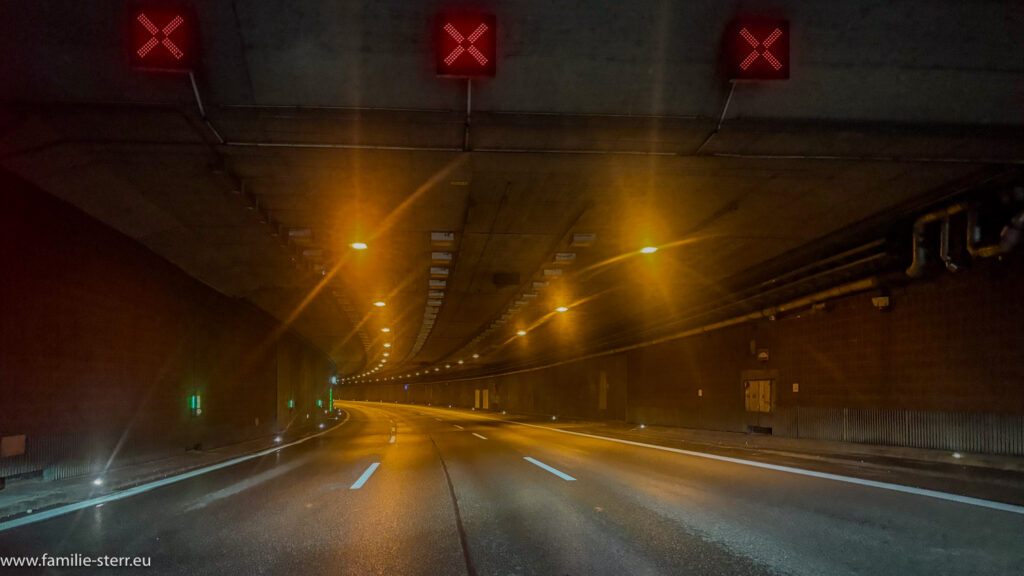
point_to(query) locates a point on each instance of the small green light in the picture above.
(291, 403)
(195, 404)
(319, 403)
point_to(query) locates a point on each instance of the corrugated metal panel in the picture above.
(55, 456)
(953, 431)
(58, 456)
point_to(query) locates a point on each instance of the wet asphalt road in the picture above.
(460, 493)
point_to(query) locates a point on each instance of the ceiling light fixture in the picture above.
(359, 245)
(385, 329)
(561, 309)
(521, 332)
(379, 304)
(648, 249)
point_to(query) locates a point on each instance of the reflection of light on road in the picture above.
(246, 484)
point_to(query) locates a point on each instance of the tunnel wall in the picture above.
(942, 368)
(102, 344)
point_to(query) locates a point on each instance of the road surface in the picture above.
(422, 490)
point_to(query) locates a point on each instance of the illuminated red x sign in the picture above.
(465, 45)
(162, 37)
(758, 49)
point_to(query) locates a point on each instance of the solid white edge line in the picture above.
(554, 471)
(824, 475)
(366, 476)
(479, 436)
(993, 505)
(142, 488)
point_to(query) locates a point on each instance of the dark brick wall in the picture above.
(102, 343)
(952, 344)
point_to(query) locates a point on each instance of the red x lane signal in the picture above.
(162, 37)
(758, 49)
(465, 45)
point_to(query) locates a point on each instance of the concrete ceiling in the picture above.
(317, 135)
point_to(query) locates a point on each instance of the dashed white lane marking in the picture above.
(1002, 506)
(479, 436)
(554, 471)
(392, 441)
(438, 419)
(459, 427)
(366, 476)
(61, 510)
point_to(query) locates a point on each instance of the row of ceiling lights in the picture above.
(299, 241)
(560, 258)
(387, 345)
(439, 272)
(548, 273)
(442, 256)
(564, 258)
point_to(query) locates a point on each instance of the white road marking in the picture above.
(61, 510)
(366, 476)
(479, 436)
(1001, 506)
(824, 475)
(250, 482)
(459, 427)
(438, 419)
(392, 441)
(558, 473)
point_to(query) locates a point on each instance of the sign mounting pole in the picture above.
(469, 112)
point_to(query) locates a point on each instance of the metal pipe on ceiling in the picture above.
(920, 259)
(317, 145)
(870, 158)
(766, 313)
(974, 237)
(1012, 233)
(605, 152)
(1010, 236)
(449, 111)
(844, 290)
